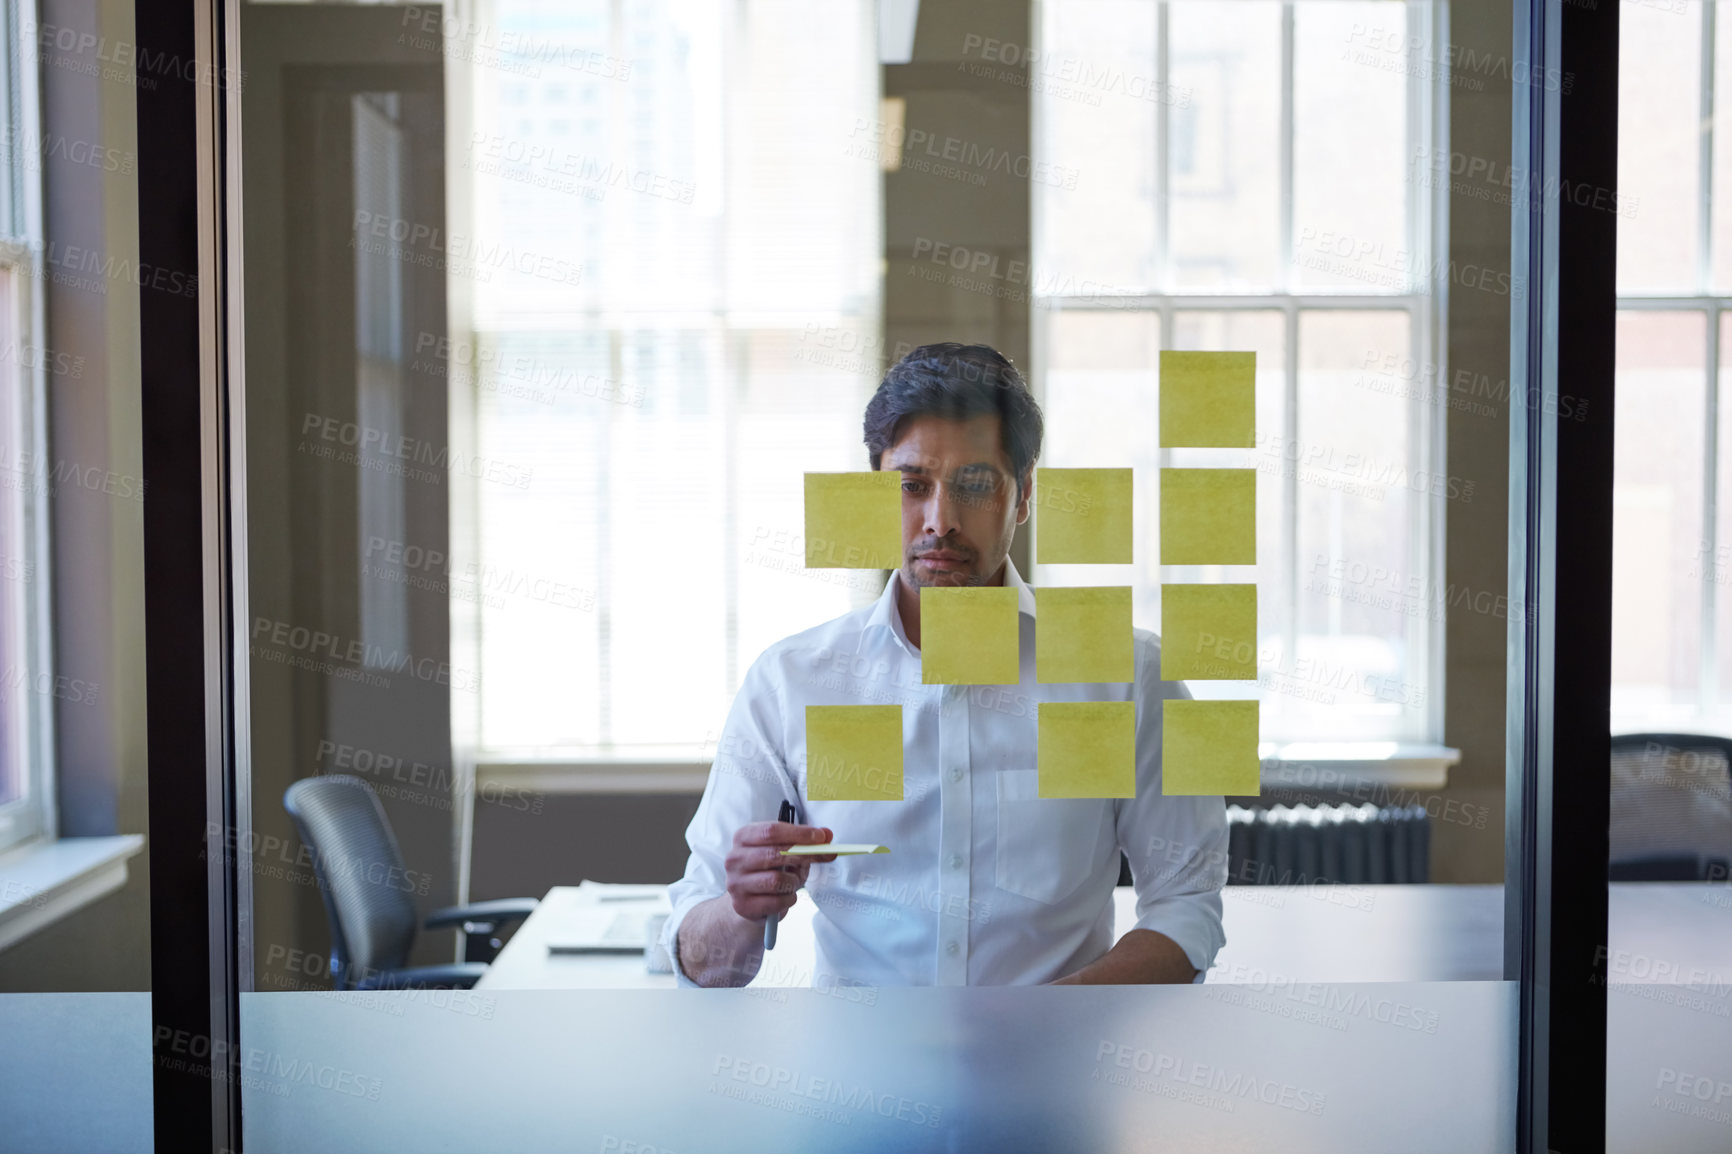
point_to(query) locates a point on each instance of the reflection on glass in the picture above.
(1101, 71)
(1660, 120)
(1366, 600)
(1224, 157)
(1657, 526)
(703, 333)
(1351, 99)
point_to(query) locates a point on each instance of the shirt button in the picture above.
(952, 948)
(955, 861)
(956, 775)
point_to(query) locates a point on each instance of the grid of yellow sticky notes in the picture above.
(1087, 748)
(1208, 400)
(969, 636)
(1208, 632)
(1209, 747)
(854, 752)
(1208, 516)
(1082, 516)
(854, 520)
(1083, 634)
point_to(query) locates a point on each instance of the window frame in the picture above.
(1427, 123)
(28, 652)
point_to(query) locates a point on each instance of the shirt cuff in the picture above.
(1195, 927)
(671, 937)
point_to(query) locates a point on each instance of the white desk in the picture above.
(1417, 933)
(1314, 933)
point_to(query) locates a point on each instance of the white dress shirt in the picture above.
(986, 883)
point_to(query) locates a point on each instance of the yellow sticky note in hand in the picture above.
(1083, 634)
(1087, 748)
(1208, 632)
(1082, 516)
(854, 753)
(854, 520)
(1209, 747)
(1208, 400)
(969, 636)
(1208, 516)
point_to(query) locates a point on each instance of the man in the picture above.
(986, 883)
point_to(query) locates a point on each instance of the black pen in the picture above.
(786, 813)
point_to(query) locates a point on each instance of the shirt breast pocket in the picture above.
(1047, 847)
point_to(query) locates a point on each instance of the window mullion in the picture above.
(1163, 133)
(1705, 161)
(1707, 687)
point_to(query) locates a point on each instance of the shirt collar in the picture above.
(885, 616)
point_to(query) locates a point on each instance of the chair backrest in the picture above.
(1671, 805)
(367, 892)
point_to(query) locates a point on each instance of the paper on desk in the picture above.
(840, 848)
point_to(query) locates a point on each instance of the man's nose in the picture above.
(941, 512)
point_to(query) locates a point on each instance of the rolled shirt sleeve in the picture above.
(1177, 846)
(748, 782)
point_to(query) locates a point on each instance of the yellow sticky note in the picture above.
(854, 520)
(1209, 747)
(1082, 516)
(1208, 516)
(1083, 634)
(854, 753)
(1208, 632)
(1208, 400)
(1087, 748)
(969, 636)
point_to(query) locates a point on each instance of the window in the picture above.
(687, 324)
(27, 684)
(1260, 176)
(1672, 538)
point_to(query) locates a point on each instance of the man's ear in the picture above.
(1025, 502)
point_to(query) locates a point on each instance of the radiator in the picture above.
(1351, 844)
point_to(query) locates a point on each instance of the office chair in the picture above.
(368, 899)
(1671, 807)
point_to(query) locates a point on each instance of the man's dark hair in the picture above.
(957, 382)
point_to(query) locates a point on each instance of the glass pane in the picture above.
(1100, 400)
(1360, 500)
(1721, 213)
(1224, 156)
(1657, 520)
(1659, 155)
(551, 313)
(1712, 562)
(1350, 162)
(1098, 220)
(76, 1062)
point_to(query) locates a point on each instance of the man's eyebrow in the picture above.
(921, 469)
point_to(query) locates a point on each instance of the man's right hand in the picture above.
(761, 882)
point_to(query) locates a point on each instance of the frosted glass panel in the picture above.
(1417, 1067)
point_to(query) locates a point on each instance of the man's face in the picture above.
(959, 500)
